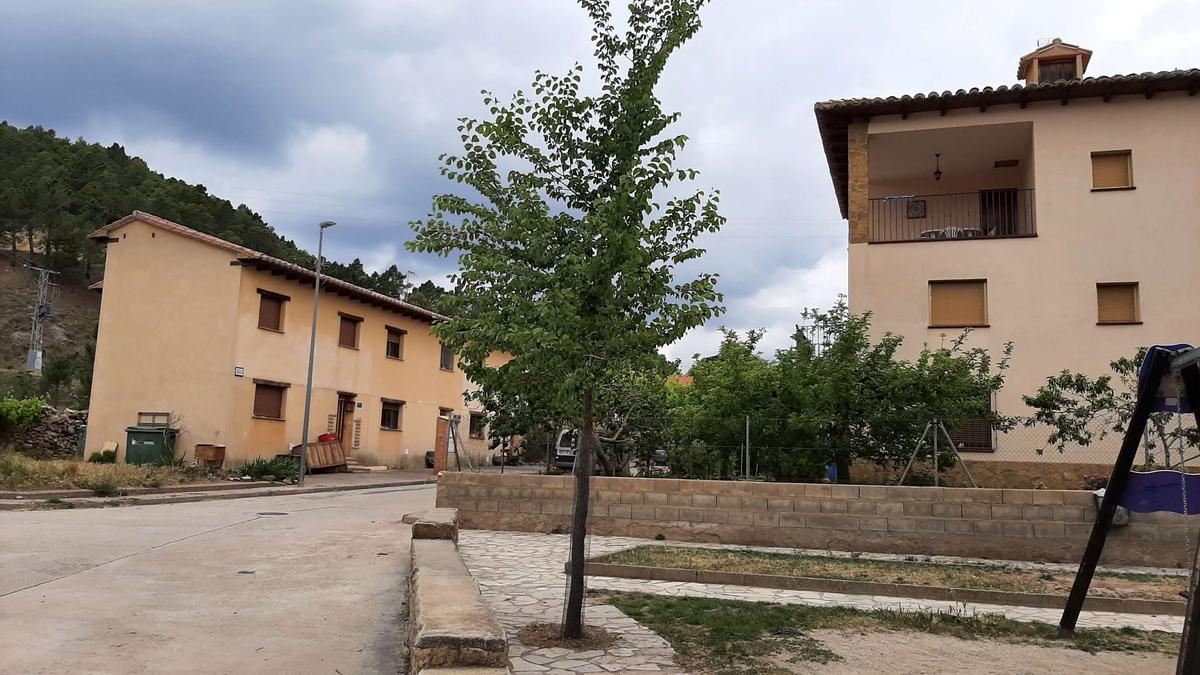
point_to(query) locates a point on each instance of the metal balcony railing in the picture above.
(986, 214)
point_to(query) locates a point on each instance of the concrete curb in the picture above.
(910, 591)
(200, 496)
(134, 491)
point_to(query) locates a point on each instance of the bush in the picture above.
(103, 457)
(16, 414)
(280, 467)
(104, 485)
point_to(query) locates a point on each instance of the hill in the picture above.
(54, 191)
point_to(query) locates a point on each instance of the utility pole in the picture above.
(41, 312)
(312, 353)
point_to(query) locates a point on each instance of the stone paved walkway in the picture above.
(521, 574)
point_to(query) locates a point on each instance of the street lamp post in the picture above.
(312, 352)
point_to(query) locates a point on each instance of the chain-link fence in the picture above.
(796, 449)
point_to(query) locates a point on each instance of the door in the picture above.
(441, 439)
(345, 422)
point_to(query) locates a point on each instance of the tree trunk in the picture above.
(584, 461)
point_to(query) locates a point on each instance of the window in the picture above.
(974, 435)
(1117, 303)
(395, 343)
(447, 358)
(1056, 69)
(1112, 170)
(958, 304)
(478, 424)
(270, 310)
(390, 414)
(268, 399)
(348, 331)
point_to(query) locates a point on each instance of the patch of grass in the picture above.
(734, 637)
(18, 472)
(854, 568)
(55, 503)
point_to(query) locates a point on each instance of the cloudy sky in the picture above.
(308, 111)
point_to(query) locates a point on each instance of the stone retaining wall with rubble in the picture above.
(1045, 525)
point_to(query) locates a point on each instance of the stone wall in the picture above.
(1045, 525)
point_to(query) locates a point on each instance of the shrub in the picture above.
(103, 457)
(279, 467)
(17, 414)
(104, 485)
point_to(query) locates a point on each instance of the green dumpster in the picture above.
(150, 445)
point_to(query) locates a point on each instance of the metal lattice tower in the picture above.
(41, 312)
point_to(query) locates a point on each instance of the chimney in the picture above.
(1053, 60)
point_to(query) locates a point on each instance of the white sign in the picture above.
(239, 371)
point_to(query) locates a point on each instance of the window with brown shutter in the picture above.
(395, 343)
(1056, 69)
(958, 303)
(348, 331)
(1112, 170)
(1117, 303)
(268, 400)
(270, 310)
(447, 361)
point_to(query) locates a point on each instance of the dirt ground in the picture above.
(899, 653)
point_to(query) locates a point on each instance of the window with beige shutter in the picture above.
(1117, 303)
(958, 303)
(1112, 170)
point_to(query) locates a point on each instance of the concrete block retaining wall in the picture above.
(1040, 525)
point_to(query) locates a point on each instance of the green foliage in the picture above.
(102, 484)
(1081, 410)
(103, 457)
(852, 399)
(54, 192)
(571, 229)
(282, 468)
(16, 414)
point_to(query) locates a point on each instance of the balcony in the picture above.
(983, 214)
(951, 183)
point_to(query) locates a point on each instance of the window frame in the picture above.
(442, 359)
(282, 387)
(939, 282)
(482, 433)
(264, 294)
(991, 431)
(357, 321)
(1137, 302)
(384, 405)
(1128, 154)
(390, 331)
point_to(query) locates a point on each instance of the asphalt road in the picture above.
(296, 584)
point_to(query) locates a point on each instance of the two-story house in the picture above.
(1062, 214)
(213, 337)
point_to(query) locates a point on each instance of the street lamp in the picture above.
(312, 352)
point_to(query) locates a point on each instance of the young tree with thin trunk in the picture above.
(569, 243)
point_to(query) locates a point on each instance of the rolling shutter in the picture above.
(1111, 170)
(270, 312)
(348, 333)
(957, 304)
(268, 401)
(1117, 303)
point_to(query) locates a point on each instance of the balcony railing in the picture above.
(986, 214)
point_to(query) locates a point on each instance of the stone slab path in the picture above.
(521, 575)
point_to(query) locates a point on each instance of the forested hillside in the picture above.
(54, 191)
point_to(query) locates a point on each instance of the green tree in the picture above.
(1079, 410)
(570, 245)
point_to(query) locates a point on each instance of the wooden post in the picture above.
(1115, 491)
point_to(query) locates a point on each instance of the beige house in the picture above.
(1062, 214)
(214, 336)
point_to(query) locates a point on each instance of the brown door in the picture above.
(345, 422)
(441, 439)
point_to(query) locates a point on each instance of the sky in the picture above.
(309, 111)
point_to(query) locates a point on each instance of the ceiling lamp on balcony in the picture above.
(937, 171)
